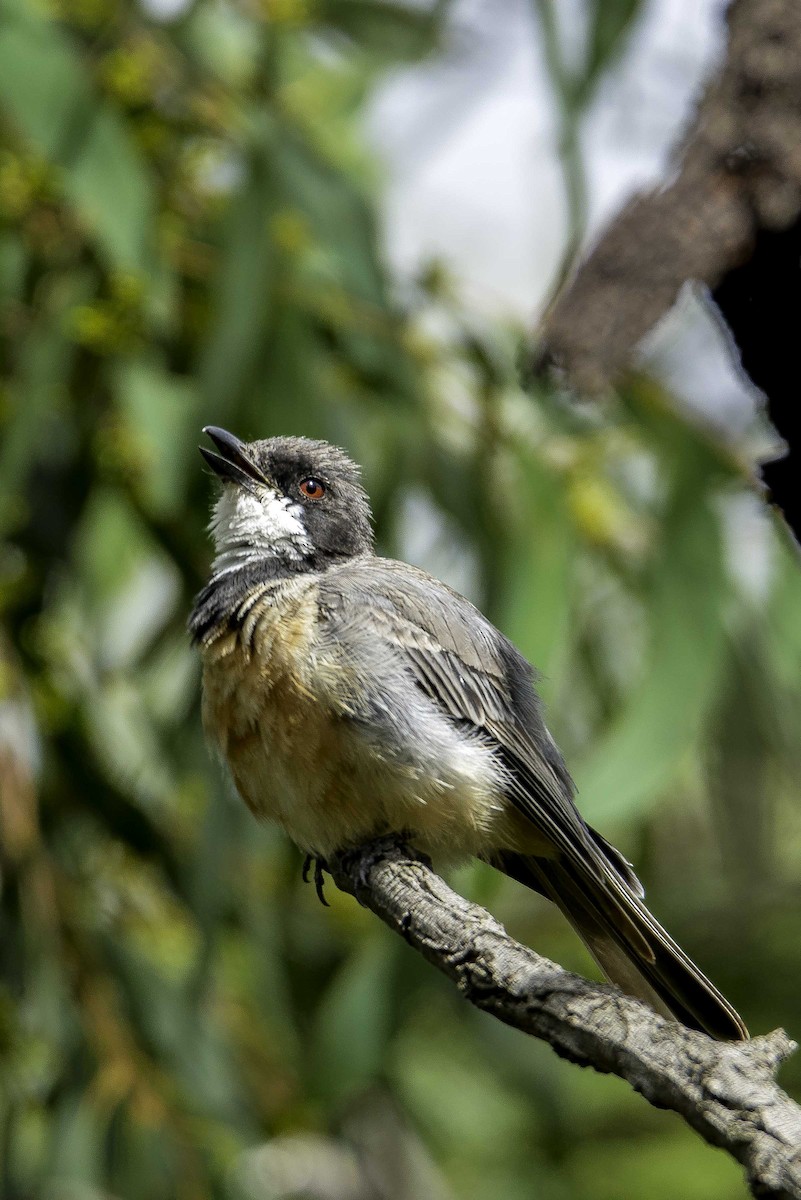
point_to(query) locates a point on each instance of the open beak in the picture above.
(232, 463)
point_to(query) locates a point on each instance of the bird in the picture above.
(354, 696)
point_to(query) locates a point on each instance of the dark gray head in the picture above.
(288, 498)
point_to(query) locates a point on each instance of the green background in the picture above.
(188, 235)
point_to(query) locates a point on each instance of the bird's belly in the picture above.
(297, 761)
(283, 744)
(293, 767)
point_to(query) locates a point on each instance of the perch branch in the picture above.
(738, 171)
(726, 1091)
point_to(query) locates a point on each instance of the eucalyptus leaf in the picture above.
(44, 86)
(539, 569)
(360, 998)
(631, 766)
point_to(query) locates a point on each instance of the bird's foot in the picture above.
(365, 857)
(319, 875)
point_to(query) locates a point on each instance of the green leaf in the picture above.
(781, 614)
(611, 23)
(341, 222)
(42, 85)
(162, 413)
(47, 92)
(242, 295)
(13, 262)
(354, 1019)
(664, 1165)
(393, 31)
(38, 394)
(77, 1134)
(540, 556)
(222, 42)
(107, 181)
(642, 750)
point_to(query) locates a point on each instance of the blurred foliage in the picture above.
(188, 234)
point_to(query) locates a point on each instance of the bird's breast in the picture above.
(280, 700)
(273, 701)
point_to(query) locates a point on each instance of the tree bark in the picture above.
(730, 206)
(738, 172)
(726, 1091)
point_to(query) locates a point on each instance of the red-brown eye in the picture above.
(312, 489)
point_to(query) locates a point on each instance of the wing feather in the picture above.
(466, 665)
(462, 663)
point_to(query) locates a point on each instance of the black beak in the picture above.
(232, 463)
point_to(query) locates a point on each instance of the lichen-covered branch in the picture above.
(725, 1091)
(738, 172)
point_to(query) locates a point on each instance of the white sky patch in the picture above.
(644, 102)
(467, 139)
(246, 527)
(165, 10)
(750, 544)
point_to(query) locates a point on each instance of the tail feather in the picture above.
(629, 944)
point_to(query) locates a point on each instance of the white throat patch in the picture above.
(246, 527)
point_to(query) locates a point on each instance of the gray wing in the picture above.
(462, 663)
(476, 675)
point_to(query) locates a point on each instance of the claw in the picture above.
(319, 875)
(319, 881)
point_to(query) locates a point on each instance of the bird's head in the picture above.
(289, 498)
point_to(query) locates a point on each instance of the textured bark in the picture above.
(725, 1091)
(739, 172)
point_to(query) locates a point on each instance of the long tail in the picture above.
(628, 943)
